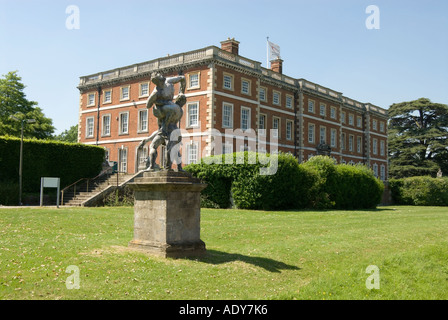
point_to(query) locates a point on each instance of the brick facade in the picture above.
(226, 92)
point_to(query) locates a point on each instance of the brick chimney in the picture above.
(277, 65)
(230, 45)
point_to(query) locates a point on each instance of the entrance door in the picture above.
(123, 159)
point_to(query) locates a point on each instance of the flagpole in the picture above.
(267, 52)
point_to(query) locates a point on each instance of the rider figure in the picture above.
(167, 113)
(162, 97)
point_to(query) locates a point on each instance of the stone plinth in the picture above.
(167, 214)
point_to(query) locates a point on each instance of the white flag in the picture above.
(274, 51)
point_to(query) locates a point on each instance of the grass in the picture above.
(251, 255)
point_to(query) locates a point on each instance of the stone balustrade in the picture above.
(212, 52)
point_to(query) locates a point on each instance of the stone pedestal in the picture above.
(167, 214)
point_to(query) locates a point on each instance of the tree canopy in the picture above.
(70, 135)
(13, 102)
(418, 138)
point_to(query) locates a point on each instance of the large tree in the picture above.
(13, 102)
(70, 135)
(418, 138)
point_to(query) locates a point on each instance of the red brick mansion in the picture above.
(227, 92)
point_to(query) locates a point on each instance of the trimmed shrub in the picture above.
(420, 191)
(395, 186)
(357, 188)
(325, 184)
(250, 187)
(318, 183)
(42, 158)
(220, 172)
(9, 193)
(343, 186)
(288, 188)
(217, 192)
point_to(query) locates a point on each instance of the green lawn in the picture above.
(251, 255)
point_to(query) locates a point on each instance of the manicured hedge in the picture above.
(343, 186)
(288, 188)
(219, 173)
(318, 183)
(9, 193)
(219, 180)
(42, 158)
(357, 188)
(420, 191)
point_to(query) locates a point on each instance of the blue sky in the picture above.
(324, 41)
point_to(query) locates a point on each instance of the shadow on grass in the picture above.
(271, 265)
(378, 209)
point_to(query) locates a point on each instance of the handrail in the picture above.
(102, 173)
(68, 187)
(75, 183)
(87, 180)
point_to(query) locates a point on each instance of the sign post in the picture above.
(46, 182)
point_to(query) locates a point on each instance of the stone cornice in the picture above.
(183, 61)
(318, 94)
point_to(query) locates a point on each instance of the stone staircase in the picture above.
(89, 192)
